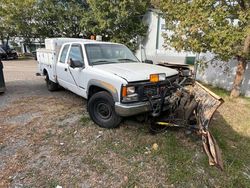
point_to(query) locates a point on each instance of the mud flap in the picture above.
(207, 103)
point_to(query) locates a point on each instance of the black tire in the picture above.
(52, 86)
(101, 108)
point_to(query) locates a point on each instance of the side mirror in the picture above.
(75, 63)
(148, 61)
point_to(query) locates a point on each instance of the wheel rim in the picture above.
(103, 110)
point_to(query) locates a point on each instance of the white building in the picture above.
(221, 74)
(19, 45)
(152, 44)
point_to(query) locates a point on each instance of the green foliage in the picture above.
(16, 18)
(117, 21)
(59, 18)
(216, 26)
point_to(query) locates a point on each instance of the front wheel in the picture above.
(52, 86)
(101, 107)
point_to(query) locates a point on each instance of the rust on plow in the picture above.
(191, 106)
(207, 103)
(197, 105)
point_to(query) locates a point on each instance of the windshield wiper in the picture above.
(126, 59)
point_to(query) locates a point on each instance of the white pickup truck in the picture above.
(114, 82)
(117, 85)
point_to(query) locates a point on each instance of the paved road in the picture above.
(20, 70)
(21, 81)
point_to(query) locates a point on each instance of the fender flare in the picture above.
(106, 86)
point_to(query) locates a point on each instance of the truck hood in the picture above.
(132, 72)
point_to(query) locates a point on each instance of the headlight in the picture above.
(131, 98)
(130, 90)
(162, 77)
(129, 94)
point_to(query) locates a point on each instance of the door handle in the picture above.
(65, 69)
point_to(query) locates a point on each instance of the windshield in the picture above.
(109, 53)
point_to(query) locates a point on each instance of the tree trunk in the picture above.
(241, 67)
(7, 41)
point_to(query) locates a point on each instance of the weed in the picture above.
(52, 183)
(2, 146)
(95, 164)
(85, 119)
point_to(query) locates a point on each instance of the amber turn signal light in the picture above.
(124, 91)
(154, 78)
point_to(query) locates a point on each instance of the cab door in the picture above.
(77, 74)
(63, 75)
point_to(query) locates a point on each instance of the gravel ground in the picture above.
(20, 106)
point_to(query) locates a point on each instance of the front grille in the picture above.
(147, 89)
(150, 90)
(154, 89)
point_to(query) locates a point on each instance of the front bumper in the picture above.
(131, 109)
(125, 110)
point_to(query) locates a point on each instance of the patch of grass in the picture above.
(85, 119)
(95, 164)
(2, 146)
(67, 150)
(24, 57)
(33, 172)
(218, 91)
(48, 135)
(178, 158)
(52, 183)
(121, 147)
(133, 180)
(231, 130)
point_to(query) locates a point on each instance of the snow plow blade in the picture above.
(196, 108)
(207, 103)
(192, 108)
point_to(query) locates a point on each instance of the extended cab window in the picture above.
(75, 53)
(64, 54)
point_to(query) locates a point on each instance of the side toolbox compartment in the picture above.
(46, 63)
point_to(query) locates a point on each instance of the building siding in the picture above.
(221, 74)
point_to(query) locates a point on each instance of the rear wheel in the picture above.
(101, 107)
(52, 86)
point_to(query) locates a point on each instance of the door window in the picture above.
(64, 54)
(75, 53)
